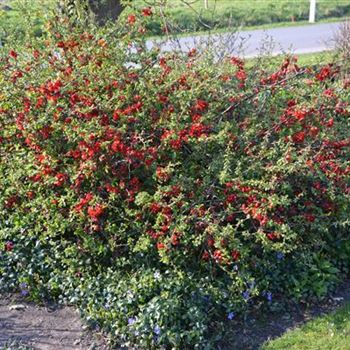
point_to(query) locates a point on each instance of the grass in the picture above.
(309, 59)
(24, 16)
(330, 332)
(233, 28)
(221, 15)
(315, 58)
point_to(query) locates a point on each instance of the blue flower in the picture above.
(24, 291)
(156, 330)
(131, 321)
(246, 295)
(280, 256)
(230, 315)
(269, 296)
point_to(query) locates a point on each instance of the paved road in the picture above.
(297, 39)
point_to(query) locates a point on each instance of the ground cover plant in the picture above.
(168, 194)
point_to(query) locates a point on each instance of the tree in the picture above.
(99, 10)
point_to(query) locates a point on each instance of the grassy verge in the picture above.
(224, 14)
(308, 59)
(324, 333)
(221, 15)
(233, 28)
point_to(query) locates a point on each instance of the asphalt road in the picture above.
(296, 39)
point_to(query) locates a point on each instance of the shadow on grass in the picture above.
(323, 333)
(323, 326)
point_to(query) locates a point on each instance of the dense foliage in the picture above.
(163, 194)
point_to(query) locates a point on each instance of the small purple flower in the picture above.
(24, 289)
(24, 293)
(246, 294)
(230, 315)
(269, 296)
(280, 256)
(156, 330)
(131, 321)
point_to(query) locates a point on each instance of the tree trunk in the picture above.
(104, 10)
(100, 10)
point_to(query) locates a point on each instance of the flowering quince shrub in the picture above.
(166, 194)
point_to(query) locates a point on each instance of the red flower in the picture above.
(60, 179)
(309, 217)
(205, 255)
(162, 174)
(231, 198)
(13, 54)
(95, 212)
(201, 105)
(9, 246)
(84, 201)
(241, 75)
(300, 114)
(314, 130)
(210, 241)
(175, 144)
(131, 19)
(330, 122)
(298, 137)
(324, 73)
(197, 130)
(11, 201)
(160, 245)
(155, 208)
(235, 255)
(230, 218)
(175, 240)
(192, 53)
(217, 255)
(237, 62)
(272, 236)
(30, 194)
(147, 11)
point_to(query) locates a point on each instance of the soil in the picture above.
(48, 327)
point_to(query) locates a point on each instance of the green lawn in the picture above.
(330, 332)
